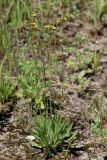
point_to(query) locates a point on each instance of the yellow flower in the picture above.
(47, 26)
(58, 20)
(42, 106)
(33, 23)
(35, 26)
(61, 20)
(53, 27)
(35, 14)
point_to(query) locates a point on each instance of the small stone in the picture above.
(71, 91)
(30, 138)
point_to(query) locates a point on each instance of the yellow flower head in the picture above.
(61, 20)
(35, 14)
(35, 26)
(50, 27)
(58, 20)
(64, 19)
(26, 24)
(47, 26)
(53, 27)
(33, 23)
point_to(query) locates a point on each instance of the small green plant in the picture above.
(97, 126)
(95, 62)
(31, 78)
(52, 134)
(83, 82)
(90, 64)
(79, 38)
(99, 131)
(98, 106)
(97, 11)
(6, 87)
(87, 66)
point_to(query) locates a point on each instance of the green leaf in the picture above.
(81, 74)
(34, 144)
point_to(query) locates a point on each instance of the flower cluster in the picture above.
(34, 23)
(61, 20)
(35, 14)
(50, 27)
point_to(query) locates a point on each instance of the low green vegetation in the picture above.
(30, 78)
(15, 11)
(90, 64)
(53, 134)
(97, 11)
(98, 125)
(99, 132)
(6, 87)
